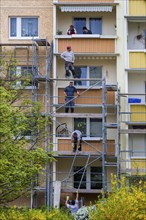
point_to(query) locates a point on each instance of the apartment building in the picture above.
(110, 112)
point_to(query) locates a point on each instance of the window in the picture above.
(23, 27)
(90, 127)
(88, 72)
(93, 175)
(80, 124)
(95, 127)
(22, 76)
(94, 24)
(95, 73)
(96, 177)
(78, 176)
(79, 23)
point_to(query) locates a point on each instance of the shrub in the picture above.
(126, 203)
(59, 214)
(34, 214)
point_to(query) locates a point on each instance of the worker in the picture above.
(73, 205)
(71, 30)
(86, 31)
(69, 97)
(69, 59)
(76, 139)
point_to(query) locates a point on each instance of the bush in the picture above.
(126, 203)
(34, 214)
(59, 214)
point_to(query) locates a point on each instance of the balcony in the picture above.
(137, 60)
(137, 8)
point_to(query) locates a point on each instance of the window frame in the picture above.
(19, 28)
(18, 71)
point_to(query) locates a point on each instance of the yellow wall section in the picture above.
(137, 8)
(137, 60)
(138, 166)
(138, 113)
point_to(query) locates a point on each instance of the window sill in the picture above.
(23, 38)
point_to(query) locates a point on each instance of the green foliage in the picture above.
(126, 203)
(21, 157)
(34, 214)
(59, 214)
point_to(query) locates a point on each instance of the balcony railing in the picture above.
(137, 60)
(78, 1)
(138, 113)
(138, 166)
(95, 147)
(137, 8)
(91, 97)
(87, 45)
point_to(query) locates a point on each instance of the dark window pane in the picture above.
(80, 72)
(78, 177)
(79, 23)
(13, 29)
(26, 70)
(80, 124)
(95, 25)
(95, 127)
(96, 177)
(29, 27)
(95, 72)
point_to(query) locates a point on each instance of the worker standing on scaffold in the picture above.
(76, 139)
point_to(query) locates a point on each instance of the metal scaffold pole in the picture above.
(118, 137)
(48, 196)
(103, 136)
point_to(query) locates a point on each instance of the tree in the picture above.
(21, 157)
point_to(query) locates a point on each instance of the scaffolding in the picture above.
(132, 130)
(96, 150)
